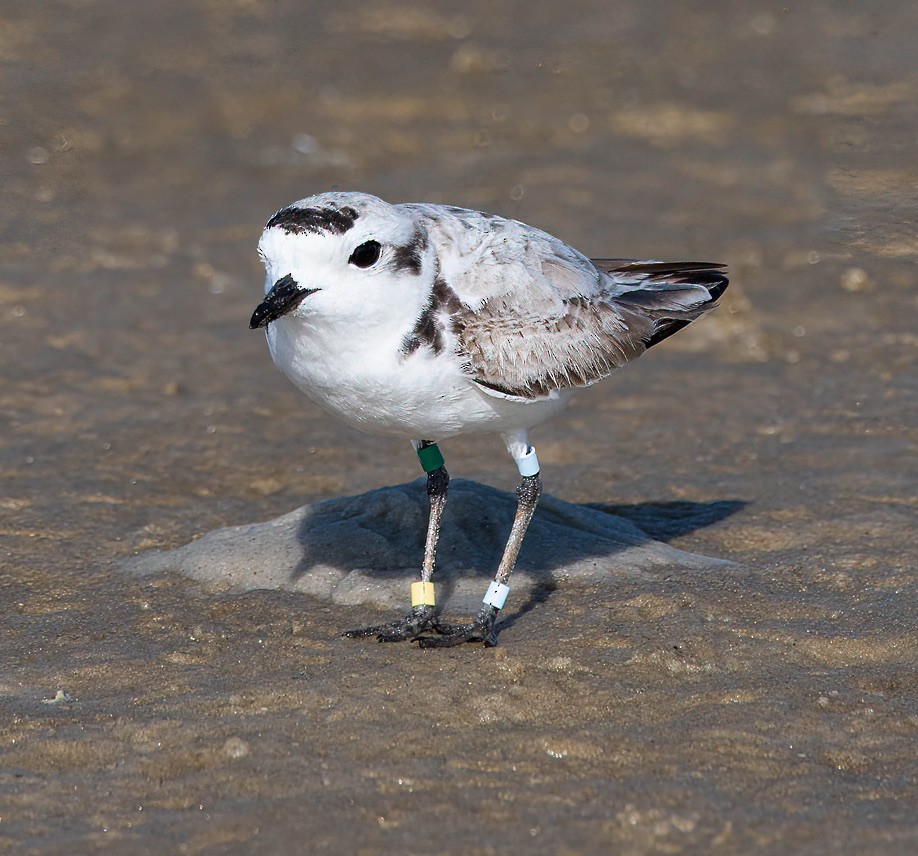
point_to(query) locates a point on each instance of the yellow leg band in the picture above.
(422, 594)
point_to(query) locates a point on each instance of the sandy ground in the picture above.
(769, 710)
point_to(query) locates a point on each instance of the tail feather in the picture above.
(671, 294)
(652, 267)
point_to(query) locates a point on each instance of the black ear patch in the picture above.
(411, 256)
(318, 221)
(366, 255)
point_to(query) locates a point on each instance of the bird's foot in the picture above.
(420, 618)
(481, 629)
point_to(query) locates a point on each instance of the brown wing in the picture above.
(528, 348)
(530, 316)
(529, 352)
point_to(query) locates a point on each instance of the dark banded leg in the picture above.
(423, 614)
(481, 628)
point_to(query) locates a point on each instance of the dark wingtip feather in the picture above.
(718, 285)
(666, 329)
(654, 269)
(708, 274)
(715, 283)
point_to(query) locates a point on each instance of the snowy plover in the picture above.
(428, 321)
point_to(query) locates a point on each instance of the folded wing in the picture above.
(533, 317)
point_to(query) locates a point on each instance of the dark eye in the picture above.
(366, 254)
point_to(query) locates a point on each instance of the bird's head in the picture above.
(342, 257)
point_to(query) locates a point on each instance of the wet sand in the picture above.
(769, 710)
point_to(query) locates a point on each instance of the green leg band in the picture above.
(430, 457)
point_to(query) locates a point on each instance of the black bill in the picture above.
(284, 297)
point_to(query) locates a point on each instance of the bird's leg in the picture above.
(481, 628)
(422, 616)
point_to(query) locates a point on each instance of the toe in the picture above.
(473, 632)
(396, 635)
(361, 633)
(397, 631)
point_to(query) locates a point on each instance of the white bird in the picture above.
(428, 321)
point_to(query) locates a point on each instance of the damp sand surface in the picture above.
(770, 708)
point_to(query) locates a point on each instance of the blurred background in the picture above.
(142, 149)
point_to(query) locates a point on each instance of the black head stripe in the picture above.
(318, 221)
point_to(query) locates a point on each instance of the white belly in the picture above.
(380, 391)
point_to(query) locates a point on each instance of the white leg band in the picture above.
(497, 594)
(528, 465)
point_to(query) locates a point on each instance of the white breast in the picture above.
(370, 384)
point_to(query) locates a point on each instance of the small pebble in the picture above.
(235, 747)
(855, 279)
(60, 697)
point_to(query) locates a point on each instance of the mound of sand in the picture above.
(368, 548)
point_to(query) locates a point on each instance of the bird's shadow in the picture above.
(661, 521)
(664, 521)
(382, 533)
